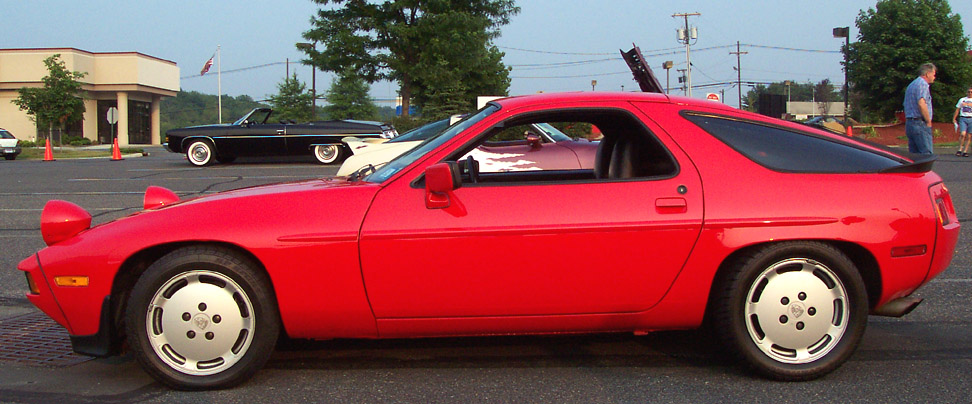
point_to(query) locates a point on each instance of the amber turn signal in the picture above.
(71, 281)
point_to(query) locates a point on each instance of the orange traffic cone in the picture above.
(850, 131)
(115, 152)
(48, 153)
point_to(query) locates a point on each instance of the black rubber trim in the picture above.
(103, 343)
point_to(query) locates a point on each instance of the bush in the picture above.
(77, 141)
(27, 143)
(869, 132)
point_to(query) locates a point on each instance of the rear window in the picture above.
(5, 135)
(792, 151)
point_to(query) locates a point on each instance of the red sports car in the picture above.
(782, 237)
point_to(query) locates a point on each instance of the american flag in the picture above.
(209, 63)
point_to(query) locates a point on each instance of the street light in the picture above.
(307, 47)
(844, 32)
(668, 68)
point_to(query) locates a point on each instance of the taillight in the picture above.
(944, 209)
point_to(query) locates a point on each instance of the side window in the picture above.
(566, 145)
(791, 151)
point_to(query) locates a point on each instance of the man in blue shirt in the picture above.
(918, 111)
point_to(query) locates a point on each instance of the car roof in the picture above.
(533, 99)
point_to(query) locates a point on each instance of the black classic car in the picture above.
(257, 134)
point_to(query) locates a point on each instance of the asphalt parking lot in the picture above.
(923, 357)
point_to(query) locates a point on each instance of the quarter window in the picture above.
(791, 151)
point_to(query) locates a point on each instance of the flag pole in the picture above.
(219, 83)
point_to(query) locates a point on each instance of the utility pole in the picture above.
(687, 35)
(739, 71)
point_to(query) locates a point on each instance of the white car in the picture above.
(9, 145)
(518, 148)
(380, 151)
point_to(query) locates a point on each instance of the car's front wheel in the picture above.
(201, 318)
(329, 153)
(200, 153)
(792, 311)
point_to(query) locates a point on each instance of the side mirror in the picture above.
(533, 140)
(440, 180)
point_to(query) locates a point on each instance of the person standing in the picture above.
(963, 121)
(918, 110)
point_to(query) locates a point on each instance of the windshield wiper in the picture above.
(363, 171)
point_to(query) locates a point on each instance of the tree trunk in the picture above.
(406, 93)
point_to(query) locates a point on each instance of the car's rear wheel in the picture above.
(792, 311)
(200, 153)
(328, 154)
(201, 318)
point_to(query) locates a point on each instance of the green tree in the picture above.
(419, 43)
(348, 98)
(894, 39)
(191, 108)
(59, 103)
(293, 101)
(823, 95)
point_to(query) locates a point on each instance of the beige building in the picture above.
(132, 82)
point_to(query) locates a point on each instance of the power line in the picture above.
(569, 77)
(242, 69)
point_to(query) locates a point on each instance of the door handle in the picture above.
(671, 205)
(280, 131)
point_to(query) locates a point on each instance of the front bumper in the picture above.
(102, 344)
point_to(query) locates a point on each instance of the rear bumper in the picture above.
(10, 151)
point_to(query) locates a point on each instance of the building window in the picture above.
(139, 122)
(105, 133)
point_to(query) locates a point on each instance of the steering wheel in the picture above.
(472, 167)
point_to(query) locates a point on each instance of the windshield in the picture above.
(258, 116)
(409, 157)
(422, 132)
(555, 134)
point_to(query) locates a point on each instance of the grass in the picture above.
(37, 153)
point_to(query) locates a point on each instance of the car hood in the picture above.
(255, 218)
(374, 154)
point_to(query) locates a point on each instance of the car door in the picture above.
(533, 248)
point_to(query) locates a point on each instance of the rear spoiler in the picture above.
(920, 165)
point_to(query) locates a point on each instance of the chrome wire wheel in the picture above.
(200, 323)
(797, 311)
(199, 153)
(327, 154)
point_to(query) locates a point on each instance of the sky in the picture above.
(552, 45)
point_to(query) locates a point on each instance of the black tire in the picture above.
(791, 311)
(207, 306)
(200, 152)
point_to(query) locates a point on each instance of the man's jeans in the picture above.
(919, 136)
